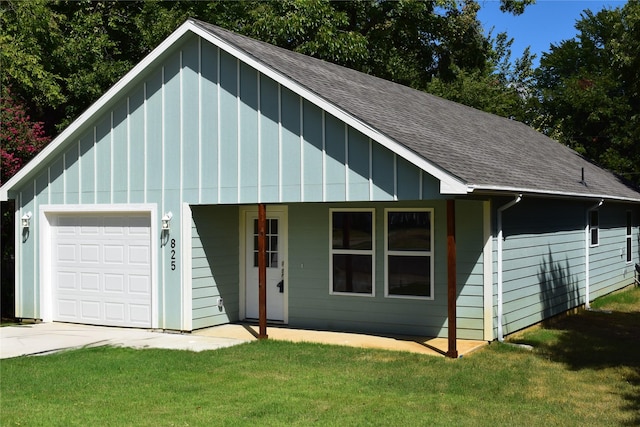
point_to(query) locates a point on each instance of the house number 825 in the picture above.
(173, 254)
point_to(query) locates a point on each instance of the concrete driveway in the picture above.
(45, 338)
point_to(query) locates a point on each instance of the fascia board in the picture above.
(449, 184)
(559, 194)
(94, 109)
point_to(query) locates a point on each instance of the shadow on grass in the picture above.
(596, 340)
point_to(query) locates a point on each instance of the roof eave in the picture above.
(476, 189)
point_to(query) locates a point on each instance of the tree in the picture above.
(61, 56)
(502, 86)
(20, 138)
(590, 89)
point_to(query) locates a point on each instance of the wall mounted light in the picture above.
(166, 219)
(26, 220)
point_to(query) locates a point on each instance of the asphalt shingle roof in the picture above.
(487, 152)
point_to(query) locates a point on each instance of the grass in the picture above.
(584, 370)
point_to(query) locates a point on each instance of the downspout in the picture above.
(587, 245)
(499, 220)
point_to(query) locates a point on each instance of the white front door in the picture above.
(276, 248)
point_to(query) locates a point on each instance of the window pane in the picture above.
(628, 249)
(410, 275)
(352, 230)
(409, 231)
(352, 273)
(273, 256)
(594, 236)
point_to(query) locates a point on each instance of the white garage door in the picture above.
(102, 269)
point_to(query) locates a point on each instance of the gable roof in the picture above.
(468, 150)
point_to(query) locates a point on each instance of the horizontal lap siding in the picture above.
(609, 268)
(470, 269)
(311, 305)
(215, 265)
(543, 261)
(544, 258)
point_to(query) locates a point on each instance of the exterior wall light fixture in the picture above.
(26, 220)
(166, 220)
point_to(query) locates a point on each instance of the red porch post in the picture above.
(451, 277)
(262, 271)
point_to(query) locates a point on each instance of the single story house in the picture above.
(374, 207)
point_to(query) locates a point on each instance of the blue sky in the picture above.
(543, 23)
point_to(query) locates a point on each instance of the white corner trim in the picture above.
(187, 294)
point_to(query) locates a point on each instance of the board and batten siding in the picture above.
(312, 306)
(544, 253)
(200, 127)
(215, 265)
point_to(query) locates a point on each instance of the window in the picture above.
(594, 228)
(629, 234)
(271, 234)
(352, 237)
(409, 253)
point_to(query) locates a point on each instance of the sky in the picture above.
(541, 24)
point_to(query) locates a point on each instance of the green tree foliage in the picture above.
(61, 56)
(590, 89)
(20, 137)
(501, 86)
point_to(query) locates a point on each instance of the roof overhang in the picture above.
(498, 190)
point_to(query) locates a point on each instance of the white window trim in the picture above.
(371, 252)
(387, 252)
(594, 227)
(628, 241)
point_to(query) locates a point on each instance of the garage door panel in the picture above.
(114, 283)
(67, 309)
(139, 314)
(114, 312)
(139, 255)
(66, 253)
(89, 282)
(89, 253)
(139, 285)
(102, 269)
(90, 311)
(114, 254)
(66, 280)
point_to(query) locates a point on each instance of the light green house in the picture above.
(388, 210)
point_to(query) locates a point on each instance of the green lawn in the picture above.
(584, 370)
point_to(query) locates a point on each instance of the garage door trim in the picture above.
(46, 218)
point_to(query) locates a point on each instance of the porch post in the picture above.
(262, 271)
(451, 277)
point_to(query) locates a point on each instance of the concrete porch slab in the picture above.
(423, 345)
